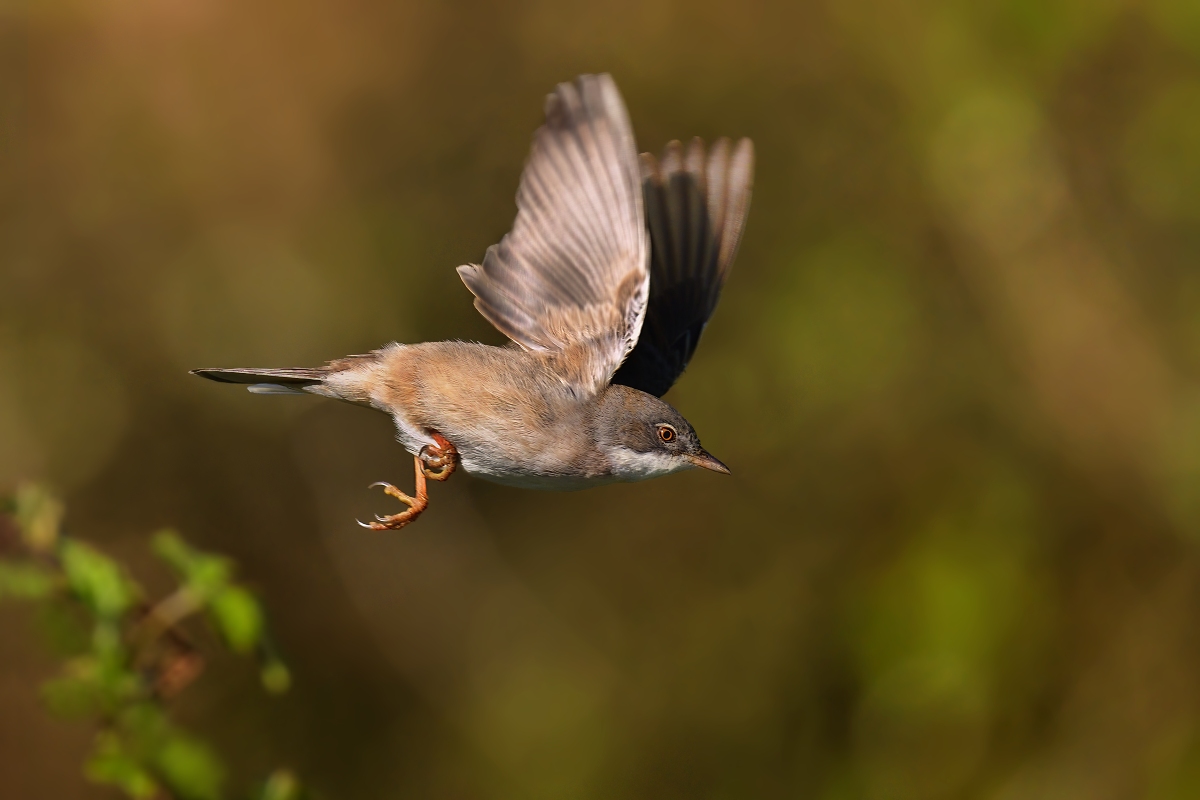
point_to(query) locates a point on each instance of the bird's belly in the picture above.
(510, 474)
(548, 465)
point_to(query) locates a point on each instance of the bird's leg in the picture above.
(438, 461)
(435, 461)
(415, 504)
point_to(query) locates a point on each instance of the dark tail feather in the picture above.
(279, 377)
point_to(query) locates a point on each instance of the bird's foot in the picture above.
(415, 504)
(438, 461)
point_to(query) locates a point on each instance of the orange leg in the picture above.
(415, 504)
(436, 462)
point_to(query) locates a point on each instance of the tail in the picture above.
(340, 379)
(268, 381)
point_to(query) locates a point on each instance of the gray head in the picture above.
(643, 437)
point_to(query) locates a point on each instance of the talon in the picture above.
(415, 504)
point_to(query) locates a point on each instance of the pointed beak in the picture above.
(706, 461)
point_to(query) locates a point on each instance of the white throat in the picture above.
(630, 465)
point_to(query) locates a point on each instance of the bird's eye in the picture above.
(666, 433)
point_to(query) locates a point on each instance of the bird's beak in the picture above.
(706, 461)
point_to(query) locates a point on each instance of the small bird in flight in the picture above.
(604, 285)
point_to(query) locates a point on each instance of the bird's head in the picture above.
(643, 437)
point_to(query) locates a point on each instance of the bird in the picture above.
(613, 267)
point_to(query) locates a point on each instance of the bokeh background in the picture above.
(956, 373)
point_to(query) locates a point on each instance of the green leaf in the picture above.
(189, 768)
(171, 548)
(91, 685)
(116, 679)
(25, 581)
(96, 580)
(203, 573)
(108, 642)
(111, 764)
(39, 515)
(238, 617)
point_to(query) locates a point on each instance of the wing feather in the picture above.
(696, 204)
(572, 277)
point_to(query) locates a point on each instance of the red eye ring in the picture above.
(666, 433)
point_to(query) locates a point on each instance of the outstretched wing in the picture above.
(572, 276)
(696, 206)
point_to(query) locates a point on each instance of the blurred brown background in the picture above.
(956, 373)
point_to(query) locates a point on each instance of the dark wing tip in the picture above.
(696, 201)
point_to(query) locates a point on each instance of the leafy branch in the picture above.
(127, 657)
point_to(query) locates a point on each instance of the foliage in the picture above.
(127, 657)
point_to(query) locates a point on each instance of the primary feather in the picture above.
(696, 204)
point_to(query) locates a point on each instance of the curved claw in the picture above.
(416, 504)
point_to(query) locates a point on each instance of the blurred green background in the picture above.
(956, 373)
